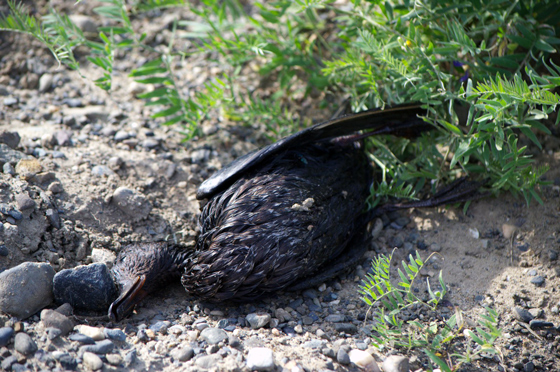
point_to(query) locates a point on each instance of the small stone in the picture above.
(81, 338)
(102, 170)
(328, 352)
(51, 318)
(150, 143)
(122, 135)
(93, 332)
(435, 247)
(522, 314)
(4, 252)
(24, 202)
(89, 288)
(342, 357)
(114, 359)
(67, 362)
(396, 363)
(92, 361)
(45, 82)
(53, 332)
(114, 334)
(9, 169)
(55, 187)
(63, 137)
(10, 101)
(335, 318)
(552, 255)
(28, 168)
(213, 335)
(10, 138)
(200, 156)
(364, 360)
(313, 344)
(182, 354)
(537, 324)
(536, 312)
(508, 230)
(5, 335)
(84, 23)
(25, 344)
(26, 289)
(346, 328)
(258, 320)
(131, 203)
(260, 359)
(208, 361)
(100, 347)
(538, 280)
(377, 228)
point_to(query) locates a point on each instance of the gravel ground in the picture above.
(85, 173)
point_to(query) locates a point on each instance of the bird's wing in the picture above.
(400, 120)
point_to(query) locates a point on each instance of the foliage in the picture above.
(438, 340)
(483, 69)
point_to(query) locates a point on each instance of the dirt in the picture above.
(481, 266)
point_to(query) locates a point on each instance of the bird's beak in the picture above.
(130, 296)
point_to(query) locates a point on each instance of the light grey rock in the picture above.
(84, 23)
(208, 361)
(25, 344)
(396, 363)
(314, 344)
(182, 354)
(133, 204)
(92, 361)
(342, 357)
(213, 335)
(24, 202)
(335, 318)
(51, 318)
(258, 320)
(100, 347)
(260, 359)
(102, 170)
(26, 289)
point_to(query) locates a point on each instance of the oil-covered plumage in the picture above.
(276, 217)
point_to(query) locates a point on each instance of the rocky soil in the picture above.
(84, 173)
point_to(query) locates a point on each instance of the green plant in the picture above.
(483, 70)
(437, 339)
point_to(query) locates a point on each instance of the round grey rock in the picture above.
(132, 203)
(260, 359)
(24, 202)
(213, 335)
(538, 280)
(25, 344)
(342, 357)
(182, 354)
(258, 320)
(88, 287)
(26, 289)
(51, 318)
(395, 363)
(45, 82)
(114, 334)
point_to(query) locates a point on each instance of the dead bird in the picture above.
(288, 216)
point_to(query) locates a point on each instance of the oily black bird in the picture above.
(283, 217)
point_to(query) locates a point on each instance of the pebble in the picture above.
(88, 287)
(24, 202)
(94, 333)
(9, 169)
(208, 361)
(53, 332)
(396, 363)
(92, 361)
(213, 335)
(114, 359)
(200, 156)
(160, 327)
(102, 170)
(114, 334)
(24, 344)
(84, 23)
(45, 82)
(537, 280)
(63, 137)
(26, 289)
(5, 335)
(67, 361)
(364, 360)
(346, 328)
(9, 362)
(258, 320)
(100, 347)
(313, 344)
(260, 359)
(150, 143)
(81, 338)
(132, 203)
(3, 249)
(182, 354)
(522, 314)
(51, 318)
(10, 138)
(342, 357)
(335, 318)
(10, 101)
(536, 324)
